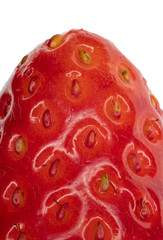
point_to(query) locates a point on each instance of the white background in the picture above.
(135, 27)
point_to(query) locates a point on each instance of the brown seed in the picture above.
(24, 59)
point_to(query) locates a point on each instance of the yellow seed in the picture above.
(55, 41)
(20, 146)
(125, 75)
(104, 184)
(154, 102)
(84, 56)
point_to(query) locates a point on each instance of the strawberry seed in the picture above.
(62, 211)
(99, 231)
(84, 57)
(90, 139)
(75, 88)
(54, 168)
(55, 41)
(18, 198)
(20, 146)
(48, 119)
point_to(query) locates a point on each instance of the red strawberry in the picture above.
(81, 146)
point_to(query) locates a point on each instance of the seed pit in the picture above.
(48, 119)
(90, 140)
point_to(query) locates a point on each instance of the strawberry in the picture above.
(81, 145)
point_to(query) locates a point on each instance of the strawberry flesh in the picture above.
(80, 145)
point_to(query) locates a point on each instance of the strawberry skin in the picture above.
(80, 145)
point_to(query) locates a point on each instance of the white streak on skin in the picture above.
(109, 208)
(39, 153)
(119, 122)
(73, 74)
(7, 90)
(45, 209)
(145, 195)
(102, 220)
(82, 129)
(69, 125)
(7, 189)
(74, 188)
(123, 99)
(141, 223)
(13, 138)
(1, 132)
(91, 49)
(83, 193)
(145, 156)
(20, 110)
(34, 118)
(11, 229)
(82, 212)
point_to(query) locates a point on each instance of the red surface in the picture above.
(59, 112)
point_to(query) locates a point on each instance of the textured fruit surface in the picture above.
(81, 145)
